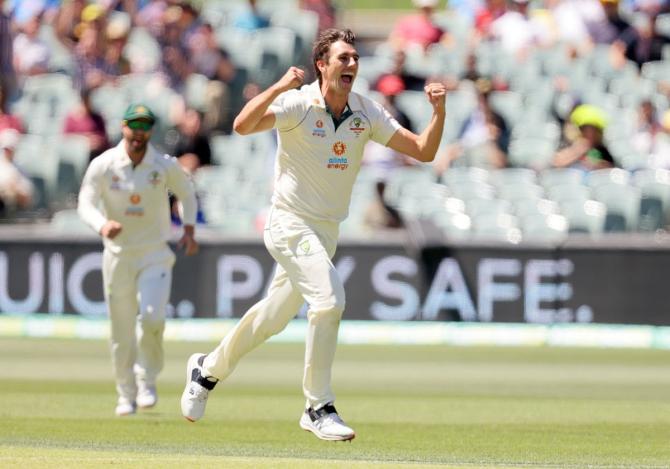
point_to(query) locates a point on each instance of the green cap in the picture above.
(139, 111)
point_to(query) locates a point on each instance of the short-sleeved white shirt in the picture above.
(316, 164)
(136, 197)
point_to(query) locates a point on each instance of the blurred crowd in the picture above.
(573, 76)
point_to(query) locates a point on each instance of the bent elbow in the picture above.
(426, 157)
(239, 128)
(429, 158)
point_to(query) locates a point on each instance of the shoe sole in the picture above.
(144, 407)
(125, 414)
(190, 364)
(325, 437)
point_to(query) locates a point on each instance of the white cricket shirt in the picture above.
(135, 197)
(316, 164)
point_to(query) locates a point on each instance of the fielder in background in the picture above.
(322, 129)
(124, 197)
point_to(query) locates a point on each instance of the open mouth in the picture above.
(347, 78)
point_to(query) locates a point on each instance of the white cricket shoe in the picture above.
(194, 397)
(326, 424)
(125, 406)
(147, 397)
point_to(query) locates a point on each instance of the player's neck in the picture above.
(336, 101)
(336, 105)
(136, 157)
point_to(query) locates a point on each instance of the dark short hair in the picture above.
(322, 45)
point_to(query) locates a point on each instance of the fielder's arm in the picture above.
(89, 198)
(181, 185)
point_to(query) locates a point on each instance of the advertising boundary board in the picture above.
(606, 281)
(366, 332)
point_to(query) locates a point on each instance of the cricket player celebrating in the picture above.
(322, 130)
(124, 197)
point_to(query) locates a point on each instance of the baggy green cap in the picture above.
(139, 111)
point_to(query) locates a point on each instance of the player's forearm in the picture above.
(430, 138)
(90, 214)
(251, 114)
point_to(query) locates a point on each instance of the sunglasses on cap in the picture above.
(139, 125)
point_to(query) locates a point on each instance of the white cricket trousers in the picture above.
(303, 250)
(137, 289)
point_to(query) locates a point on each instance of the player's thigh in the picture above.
(153, 284)
(307, 263)
(118, 274)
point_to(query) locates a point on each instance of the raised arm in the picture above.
(255, 115)
(424, 146)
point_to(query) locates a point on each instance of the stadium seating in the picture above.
(531, 192)
(584, 216)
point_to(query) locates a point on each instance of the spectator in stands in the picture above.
(116, 38)
(68, 22)
(251, 18)
(390, 86)
(487, 14)
(379, 214)
(83, 120)
(150, 16)
(647, 45)
(8, 120)
(325, 9)
(409, 81)
(175, 64)
(516, 31)
(586, 150)
(383, 161)
(613, 28)
(648, 128)
(214, 62)
(16, 189)
(7, 72)
(659, 156)
(91, 70)
(418, 28)
(484, 133)
(190, 141)
(31, 53)
(570, 19)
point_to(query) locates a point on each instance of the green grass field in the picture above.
(411, 407)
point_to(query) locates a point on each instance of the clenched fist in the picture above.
(293, 78)
(436, 93)
(111, 229)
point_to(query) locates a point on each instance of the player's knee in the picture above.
(151, 320)
(332, 312)
(271, 329)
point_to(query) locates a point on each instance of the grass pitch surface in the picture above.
(411, 407)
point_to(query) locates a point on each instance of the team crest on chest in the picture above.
(318, 130)
(154, 178)
(116, 183)
(356, 126)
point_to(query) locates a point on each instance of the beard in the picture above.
(137, 146)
